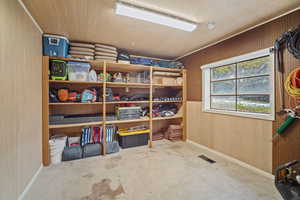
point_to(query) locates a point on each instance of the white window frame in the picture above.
(206, 84)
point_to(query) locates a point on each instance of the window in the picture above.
(241, 85)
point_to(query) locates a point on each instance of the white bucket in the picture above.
(57, 145)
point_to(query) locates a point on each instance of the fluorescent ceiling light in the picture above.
(154, 17)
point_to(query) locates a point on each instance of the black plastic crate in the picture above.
(133, 140)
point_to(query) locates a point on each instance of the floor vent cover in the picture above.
(207, 159)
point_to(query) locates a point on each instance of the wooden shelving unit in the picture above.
(102, 107)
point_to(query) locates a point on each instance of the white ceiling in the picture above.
(95, 21)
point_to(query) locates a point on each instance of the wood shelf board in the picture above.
(133, 85)
(167, 101)
(128, 121)
(75, 82)
(125, 102)
(122, 67)
(70, 103)
(74, 125)
(164, 85)
(165, 118)
(166, 69)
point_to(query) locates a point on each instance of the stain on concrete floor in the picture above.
(175, 147)
(113, 162)
(103, 191)
(88, 175)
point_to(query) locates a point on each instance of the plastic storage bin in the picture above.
(112, 147)
(54, 45)
(78, 71)
(133, 139)
(58, 70)
(127, 113)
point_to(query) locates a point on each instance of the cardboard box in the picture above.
(168, 81)
(157, 80)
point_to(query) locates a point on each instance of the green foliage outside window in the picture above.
(251, 77)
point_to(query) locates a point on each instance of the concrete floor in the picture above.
(168, 171)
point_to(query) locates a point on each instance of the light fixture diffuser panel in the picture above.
(151, 16)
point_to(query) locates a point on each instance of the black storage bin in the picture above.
(73, 119)
(112, 147)
(90, 150)
(72, 153)
(133, 140)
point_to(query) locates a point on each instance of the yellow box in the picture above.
(134, 132)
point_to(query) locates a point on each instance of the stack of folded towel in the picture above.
(105, 52)
(82, 50)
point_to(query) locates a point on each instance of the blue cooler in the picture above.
(55, 45)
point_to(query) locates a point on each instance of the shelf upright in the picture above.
(104, 107)
(45, 110)
(184, 98)
(151, 107)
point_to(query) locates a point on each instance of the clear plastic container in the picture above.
(78, 71)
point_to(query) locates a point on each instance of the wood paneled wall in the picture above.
(285, 148)
(248, 140)
(21, 100)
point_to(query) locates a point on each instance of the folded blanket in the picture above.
(79, 44)
(105, 54)
(105, 47)
(84, 49)
(105, 50)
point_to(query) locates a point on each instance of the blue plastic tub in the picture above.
(54, 45)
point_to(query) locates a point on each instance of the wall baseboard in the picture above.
(21, 197)
(234, 160)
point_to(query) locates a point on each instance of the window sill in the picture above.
(268, 117)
